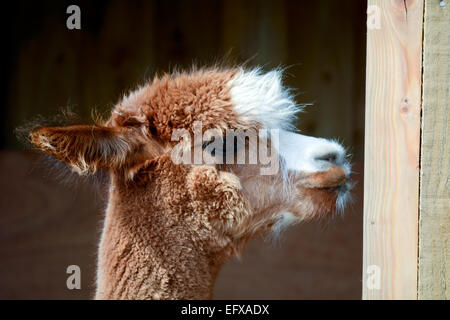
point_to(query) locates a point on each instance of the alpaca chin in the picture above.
(344, 197)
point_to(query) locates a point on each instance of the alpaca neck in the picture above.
(138, 261)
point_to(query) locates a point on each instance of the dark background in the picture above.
(46, 226)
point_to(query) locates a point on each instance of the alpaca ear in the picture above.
(85, 148)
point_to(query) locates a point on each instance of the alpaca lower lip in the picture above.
(344, 188)
(332, 178)
(341, 189)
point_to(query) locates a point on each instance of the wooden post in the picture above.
(392, 142)
(434, 225)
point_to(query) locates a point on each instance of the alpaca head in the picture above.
(230, 130)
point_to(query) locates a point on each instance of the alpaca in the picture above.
(170, 226)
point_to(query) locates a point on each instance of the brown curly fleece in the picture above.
(169, 228)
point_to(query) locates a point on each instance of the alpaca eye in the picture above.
(206, 144)
(234, 143)
(222, 147)
(215, 147)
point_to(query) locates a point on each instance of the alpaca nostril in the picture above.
(328, 157)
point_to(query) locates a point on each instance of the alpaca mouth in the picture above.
(326, 200)
(343, 195)
(339, 185)
(344, 188)
(331, 180)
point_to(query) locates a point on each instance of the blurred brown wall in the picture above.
(45, 226)
(122, 43)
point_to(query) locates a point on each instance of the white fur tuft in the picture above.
(261, 97)
(285, 220)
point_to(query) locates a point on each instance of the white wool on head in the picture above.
(261, 97)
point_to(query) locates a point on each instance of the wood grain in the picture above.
(434, 223)
(391, 186)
